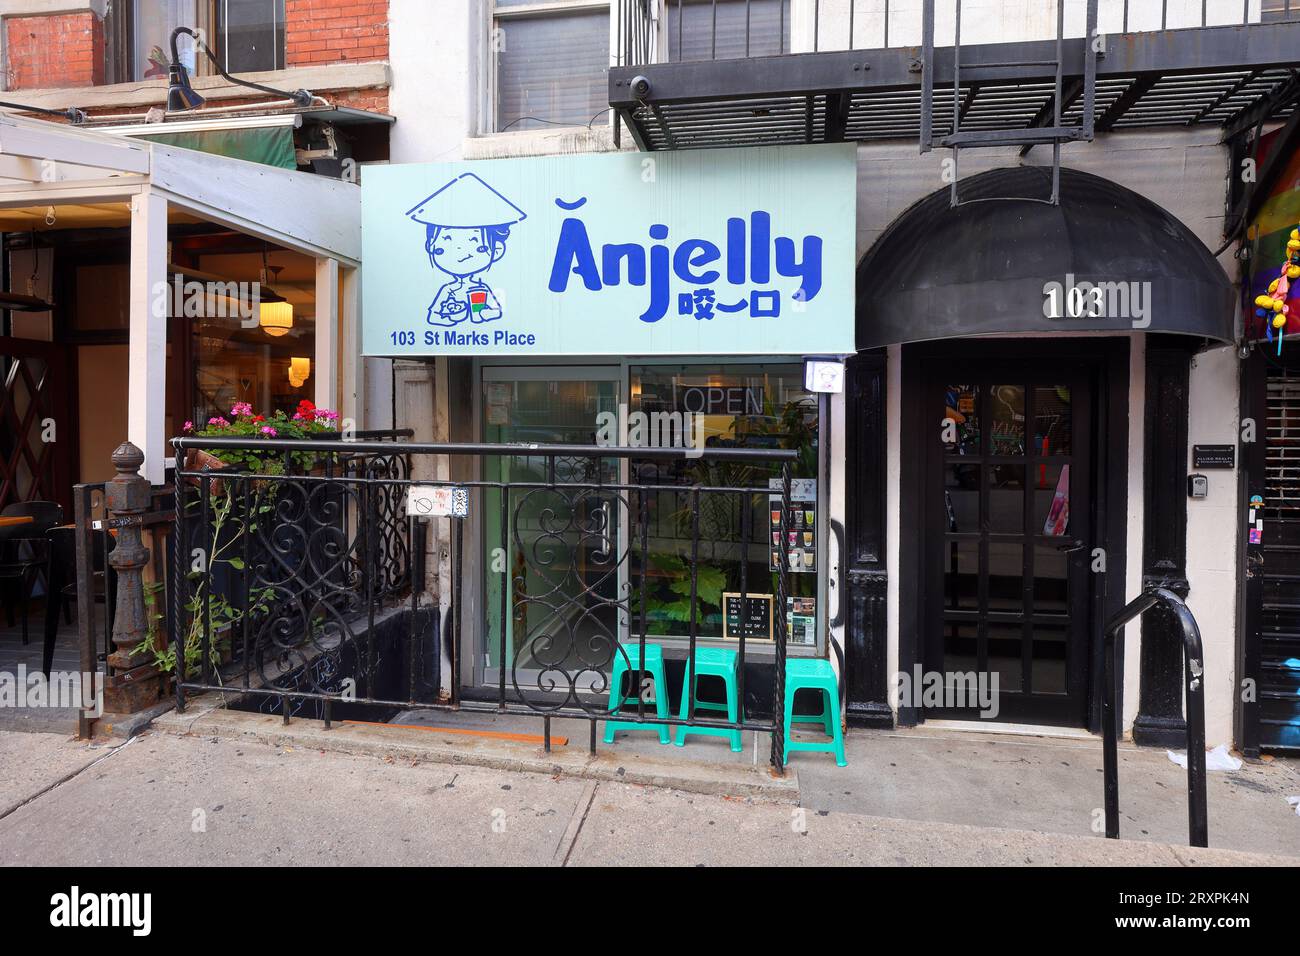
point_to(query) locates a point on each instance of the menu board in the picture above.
(758, 616)
(800, 525)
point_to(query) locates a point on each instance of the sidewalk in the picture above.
(164, 799)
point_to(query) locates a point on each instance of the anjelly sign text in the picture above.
(703, 252)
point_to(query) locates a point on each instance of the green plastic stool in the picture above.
(810, 673)
(654, 666)
(711, 662)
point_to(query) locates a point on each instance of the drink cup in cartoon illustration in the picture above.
(467, 223)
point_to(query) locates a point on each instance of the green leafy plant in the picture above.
(669, 600)
(226, 529)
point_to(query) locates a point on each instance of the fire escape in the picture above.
(724, 73)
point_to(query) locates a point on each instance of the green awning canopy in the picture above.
(269, 145)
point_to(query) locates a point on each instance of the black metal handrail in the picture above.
(1194, 669)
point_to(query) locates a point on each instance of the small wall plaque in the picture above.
(1214, 456)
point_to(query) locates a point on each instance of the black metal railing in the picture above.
(695, 30)
(573, 549)
(1194, 670)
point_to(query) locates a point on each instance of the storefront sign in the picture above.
(700, 252)
(718, 399)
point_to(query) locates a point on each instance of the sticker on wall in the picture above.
(437, 501)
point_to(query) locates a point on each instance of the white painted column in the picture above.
(353, 368)
(325, 366)
(146, 408)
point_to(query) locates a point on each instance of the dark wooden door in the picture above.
(1008, 540)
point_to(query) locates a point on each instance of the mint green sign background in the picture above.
(701, 252)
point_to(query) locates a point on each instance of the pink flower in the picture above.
(268, 431)
(189, 426)
(241, 408)
(325, 415)
(219, 421)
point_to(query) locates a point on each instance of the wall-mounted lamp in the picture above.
(181, 95)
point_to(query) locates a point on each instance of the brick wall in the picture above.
(54, 51)
(335, 31)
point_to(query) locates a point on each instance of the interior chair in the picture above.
(63, 582)
(24, 553)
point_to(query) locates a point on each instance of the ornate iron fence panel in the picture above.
(288, 577)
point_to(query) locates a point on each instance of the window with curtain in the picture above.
(551, 65)
(152, 25)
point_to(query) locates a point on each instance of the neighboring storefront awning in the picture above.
(264, 139)
(1002, 262)
(269, 145)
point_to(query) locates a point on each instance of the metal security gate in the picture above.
(1272, 606)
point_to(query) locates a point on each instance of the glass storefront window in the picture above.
(732, 406)
(270, 365)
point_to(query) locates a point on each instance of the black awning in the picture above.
(988, 265)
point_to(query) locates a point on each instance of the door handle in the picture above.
(607, 542)
(1069, 545)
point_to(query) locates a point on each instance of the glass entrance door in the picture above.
(1008, 538)
(552, 565)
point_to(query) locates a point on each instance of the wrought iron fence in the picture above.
(321, 554)
(694, 30)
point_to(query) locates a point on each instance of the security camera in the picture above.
(640, 87)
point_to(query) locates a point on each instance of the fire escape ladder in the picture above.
(1047, 127)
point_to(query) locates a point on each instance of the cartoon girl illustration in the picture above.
(467, 223)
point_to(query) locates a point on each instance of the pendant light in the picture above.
(275, 315)
(299, 370)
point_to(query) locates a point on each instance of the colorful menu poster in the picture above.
(801, 620)
(800, 526)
